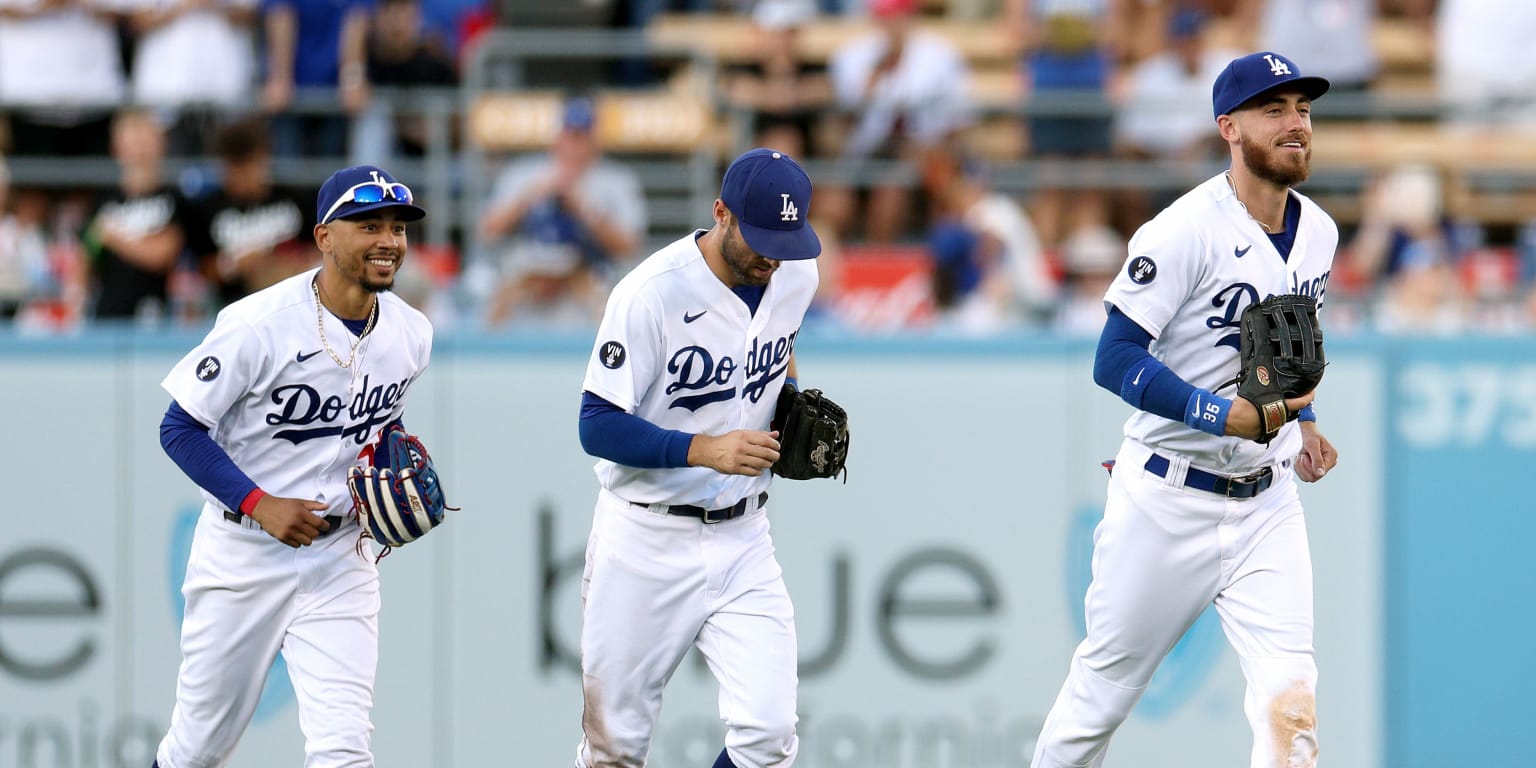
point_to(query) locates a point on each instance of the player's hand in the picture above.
(1317, 454)
(743, 452)
(291, 521)
(1243, 419)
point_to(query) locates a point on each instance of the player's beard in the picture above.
(1282, 169)
(740, 259)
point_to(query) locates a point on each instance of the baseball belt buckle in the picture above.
(1254, 479)
(709, 516)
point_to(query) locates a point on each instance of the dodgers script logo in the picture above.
(1233, 299)
(696, 369)
(300, 406)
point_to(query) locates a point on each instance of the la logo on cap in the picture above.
(1276, 66)
(789, 212)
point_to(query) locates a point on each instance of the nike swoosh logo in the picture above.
(302, 357)
(1240, 252)
(687, 318)
(1137, 380)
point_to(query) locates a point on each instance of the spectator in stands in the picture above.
(990, 272)
(1162, 113)
(1072, 50)
(1090, 260)
(1484, 71)
(138, 231)
(400, 56)
(1405, 247)
(784, 94)
(1334, 37)
(23, 247)
(312, 49)
(1167, 95)
(562, 223)
(906, 91)
(1423, 298)
(1403, 222)
(192, 59)
(61, 74)
(251, 234)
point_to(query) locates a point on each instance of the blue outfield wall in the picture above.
(1458, 421)
(1461, 586)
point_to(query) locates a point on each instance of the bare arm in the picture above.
(353, 63)
(282, 38)
(154, 252)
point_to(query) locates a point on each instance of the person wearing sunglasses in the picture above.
(300, 379)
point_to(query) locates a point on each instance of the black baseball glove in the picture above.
(1281, 356)
(813, 435)
(399, 498)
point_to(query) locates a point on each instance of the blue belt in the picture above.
(712, 516)
(1244, 487)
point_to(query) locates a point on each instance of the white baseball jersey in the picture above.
(287, 414)
(679, 349)
(1190, 273)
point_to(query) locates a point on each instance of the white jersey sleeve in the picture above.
(628, 351)
(220, 371)
(1162, 268)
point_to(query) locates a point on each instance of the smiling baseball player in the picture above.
(1201, 506)
(288, 392)
(694, 347)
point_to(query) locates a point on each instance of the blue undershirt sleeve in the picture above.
(187, 442)
(609, 432)
(1124, 365)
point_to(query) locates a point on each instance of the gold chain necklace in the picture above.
(1239, 200)
(320, 325)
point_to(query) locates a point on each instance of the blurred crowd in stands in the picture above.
(198, 103)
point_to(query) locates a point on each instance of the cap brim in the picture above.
(1310, 86)
(407, 211)
(781, 244)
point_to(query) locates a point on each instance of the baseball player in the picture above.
(692, 351)
(291, 389)
(1198, 511)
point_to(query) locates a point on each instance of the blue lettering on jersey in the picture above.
(1314, 287)
(1230, 301)
(696, 369)
(767, 361)
(302, 406)
(1233, 299)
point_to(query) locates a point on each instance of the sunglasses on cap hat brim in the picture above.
(369, 193)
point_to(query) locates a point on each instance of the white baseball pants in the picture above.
(1162, 553)
(654, 586)
(249, 596)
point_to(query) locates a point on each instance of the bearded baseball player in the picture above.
(692, 352)
(1202, 507)
(289, 391)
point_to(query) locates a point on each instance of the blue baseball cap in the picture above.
(1186, 23)
(1257, 74)
(357, 190)
(578, 114)
(770, 194)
